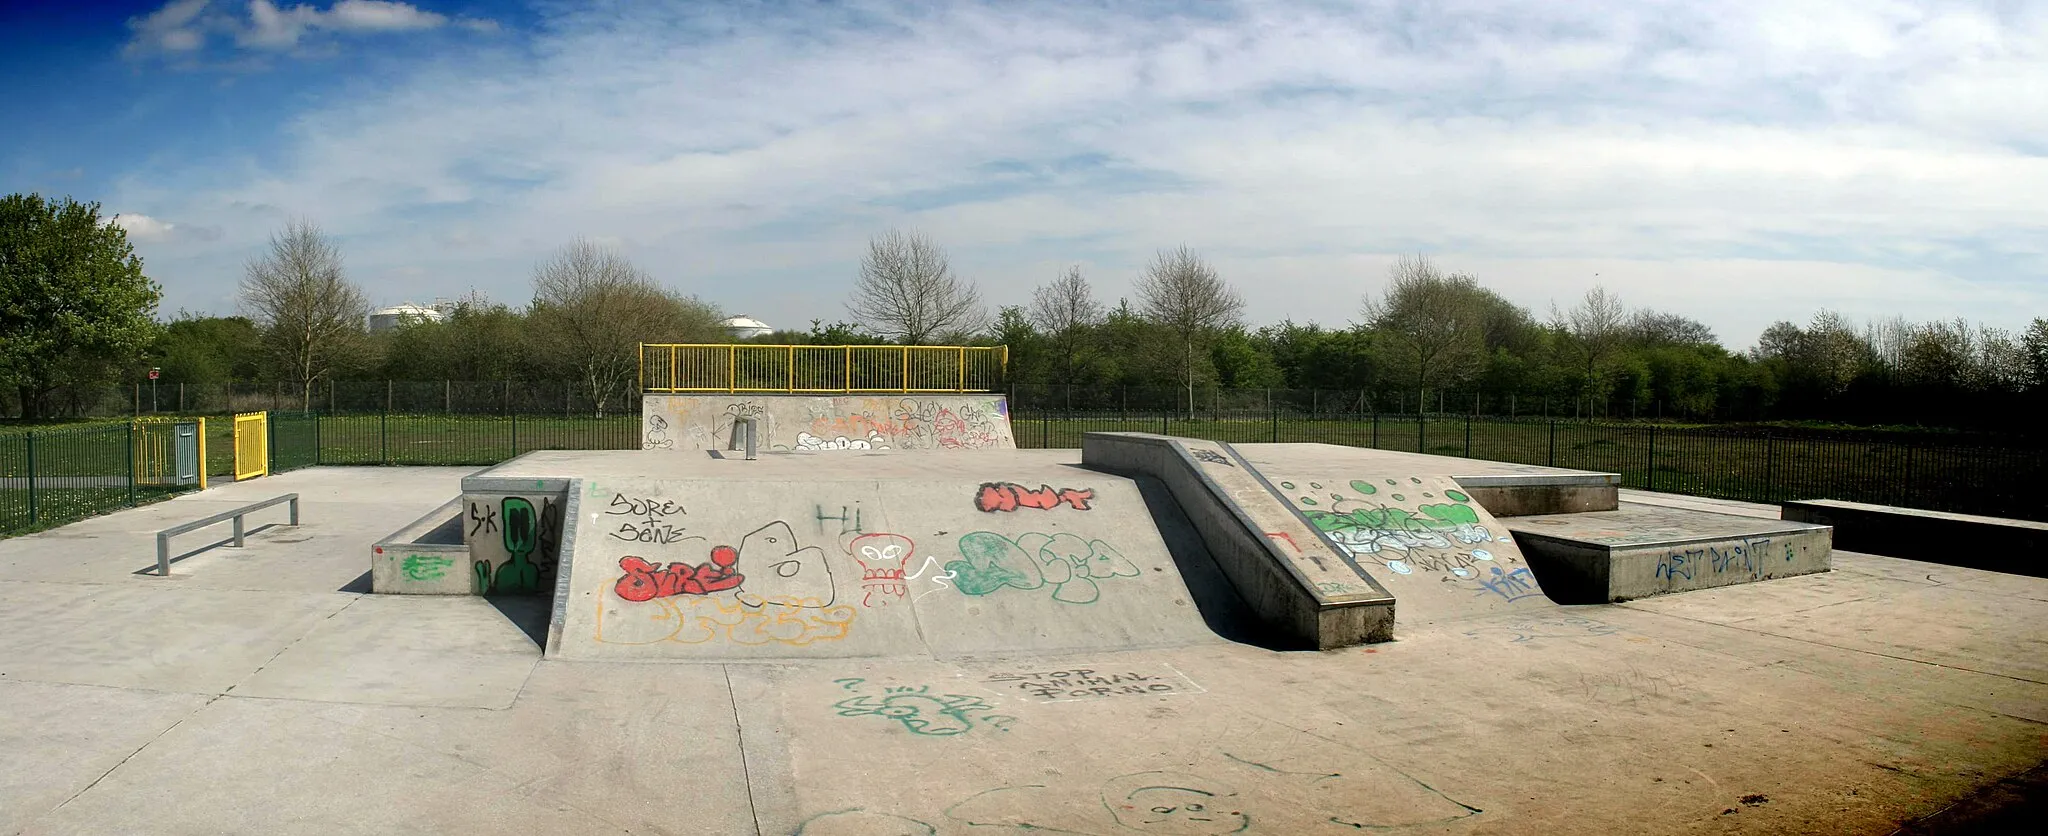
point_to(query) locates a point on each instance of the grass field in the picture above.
(1734, 463)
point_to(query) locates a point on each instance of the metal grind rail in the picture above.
(163, 538)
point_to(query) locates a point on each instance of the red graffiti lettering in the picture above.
(1282, 535)
(645, 582)
(1010, 496)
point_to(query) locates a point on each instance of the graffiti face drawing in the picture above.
(1174, 803)
(881, 558)
(780, 571)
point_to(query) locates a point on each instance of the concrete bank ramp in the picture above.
(835, 422)
(1439, 552)
(906, 554)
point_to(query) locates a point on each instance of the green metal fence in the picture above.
(49, 477)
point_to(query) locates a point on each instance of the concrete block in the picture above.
(426, 557)
(1992, 543)
(1639, 550)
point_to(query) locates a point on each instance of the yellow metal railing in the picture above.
(821, 368)
(252, 445)
(156, 457)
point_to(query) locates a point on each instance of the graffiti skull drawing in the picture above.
(881, 558)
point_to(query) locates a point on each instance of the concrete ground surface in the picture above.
(258, 690)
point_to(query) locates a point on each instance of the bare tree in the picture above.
(1182, 293)
(592, 308)
(1596, 329)
(1434, 325)
(311, 315)
(1065, 311)
(907, 291)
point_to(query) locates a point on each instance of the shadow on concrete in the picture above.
(2004, 807)
(1222, 608)
(1557, 582)
(150, 570)
(361, 585)
(529, 613)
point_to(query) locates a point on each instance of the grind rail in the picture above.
(163, 538)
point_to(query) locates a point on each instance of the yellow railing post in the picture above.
(846, 383)
(732, 368)
(202, 454)
(963, 371)
(791, 385)
(906, 369)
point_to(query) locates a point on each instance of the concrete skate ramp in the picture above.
(819, 423)
(1441, 554)
(863, 554)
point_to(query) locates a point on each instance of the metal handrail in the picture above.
(163, 538)
(748, 423)
(733, 368)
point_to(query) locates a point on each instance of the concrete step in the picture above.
(1638, 550)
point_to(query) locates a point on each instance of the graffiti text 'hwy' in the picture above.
(1010, 496)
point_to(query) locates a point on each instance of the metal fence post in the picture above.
(1650, 478)
(1468, 426)
(1770, 466)
(131, 464)
(1552, 460)
(1421, 427)
(515, 436)
(383, 437)
(31, 440)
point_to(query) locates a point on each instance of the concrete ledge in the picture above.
(1637, 551)
(1284, 601)
(1518, 495)
(426, 557)
(1992, 543)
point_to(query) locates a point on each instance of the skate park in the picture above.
(884, 618)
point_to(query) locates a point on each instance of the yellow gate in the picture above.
(252, 445)
(156, 451)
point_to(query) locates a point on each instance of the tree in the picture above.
(209, 349)
(1595, 330)
(1065, 313)
(592, 308)
(2034, 350)
(1432, 325)
(311, 315)
(907, 290)
(74, 304)
(1182, 294)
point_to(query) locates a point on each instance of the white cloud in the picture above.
(143, 227)
(1740, 164)
(183, 26)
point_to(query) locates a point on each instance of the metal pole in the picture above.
(1651, 479)
(238, 531)
(163, 555)
(295, 509)
(31, 440)
(1553, 444)
(131, 465)
(1770, 466)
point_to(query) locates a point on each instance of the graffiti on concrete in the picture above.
(920, 711)
(881, 558)
(858, 821)
(848, 519)
(1530, 629)
(1259, 777)
(1404, 527)
(1211, 456)
(873, 441)
(769, 588)
(483, 519)
(645, 582)
(1748, 558)
(657, 434)
(1010, 496)
(1071, 566)
(421, 567)
(1089, 684)
(531, 538)
(646, 520)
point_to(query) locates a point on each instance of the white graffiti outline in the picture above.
(939, 579)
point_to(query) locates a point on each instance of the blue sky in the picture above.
(1738, 162)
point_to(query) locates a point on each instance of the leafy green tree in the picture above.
(75, 308)
(194, 348)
